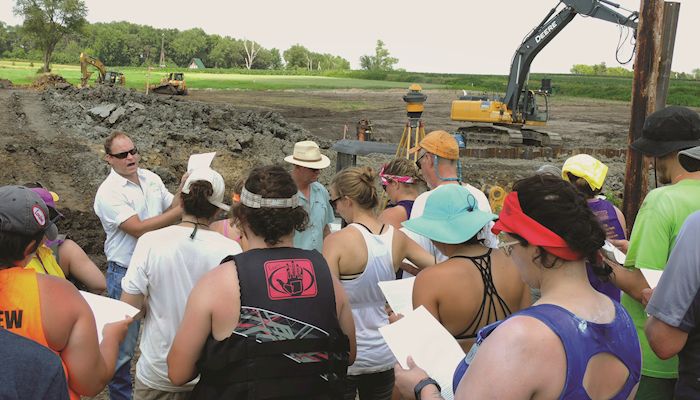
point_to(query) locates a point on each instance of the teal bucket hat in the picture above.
(451, 216)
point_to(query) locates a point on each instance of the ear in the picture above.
(31, 248)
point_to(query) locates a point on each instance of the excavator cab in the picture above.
(112, 78)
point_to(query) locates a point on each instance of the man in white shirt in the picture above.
(438, 161)
(130, 202)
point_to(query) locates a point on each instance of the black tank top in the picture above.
(288, 343)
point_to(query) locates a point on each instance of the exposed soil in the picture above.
(54, 135)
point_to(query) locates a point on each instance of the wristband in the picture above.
(425, 382)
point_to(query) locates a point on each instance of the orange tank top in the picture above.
(20, 308)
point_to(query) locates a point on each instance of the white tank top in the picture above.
(367, 302)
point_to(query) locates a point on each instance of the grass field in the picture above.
(22, 73)
(681, 92)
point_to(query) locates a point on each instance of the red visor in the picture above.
(512, 219)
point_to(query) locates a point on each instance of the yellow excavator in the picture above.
(517, 117)
(105, 77)
(173, 84)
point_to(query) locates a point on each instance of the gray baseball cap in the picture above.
(22, 211)
(685, 156)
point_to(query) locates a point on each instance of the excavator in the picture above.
(517, 117)
(105, 77)
(173, 84)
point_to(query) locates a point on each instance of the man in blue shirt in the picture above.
(308, 162)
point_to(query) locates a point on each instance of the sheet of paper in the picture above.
(107, 310)
(202, 160)
(432, 347)
(613, 253)
(652, 276)
(399, 294)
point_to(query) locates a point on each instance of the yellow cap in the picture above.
(586, 167)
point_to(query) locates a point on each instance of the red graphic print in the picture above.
(290, 279)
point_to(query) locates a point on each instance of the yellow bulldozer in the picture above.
(173, 84)
(105, 77)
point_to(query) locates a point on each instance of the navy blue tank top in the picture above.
(582, 340)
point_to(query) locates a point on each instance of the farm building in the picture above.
(196, 63)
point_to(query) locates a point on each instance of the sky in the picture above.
(468, 36)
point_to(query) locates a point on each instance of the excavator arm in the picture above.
(86, 60)
(550, 26)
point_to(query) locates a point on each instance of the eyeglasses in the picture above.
(125, 154)
(507, 247)
(420, 156)
(334, 201)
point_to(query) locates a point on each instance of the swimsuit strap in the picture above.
(483, 264)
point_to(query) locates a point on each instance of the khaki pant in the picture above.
(143, 392)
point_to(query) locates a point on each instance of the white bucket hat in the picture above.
(307, 154)
(217, 184)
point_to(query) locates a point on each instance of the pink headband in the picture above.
(397, 178)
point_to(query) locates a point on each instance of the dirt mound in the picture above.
(5, 84)
(167, 129)
(50, 80)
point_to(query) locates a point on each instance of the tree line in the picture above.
(128, 44)
(604, 70)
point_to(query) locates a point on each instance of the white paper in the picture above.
(202, 160)
(613, 253)
(107, 310)
(432, 347)
(399, 294)
(652, 276)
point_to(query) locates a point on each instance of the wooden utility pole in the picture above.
(668, 41)
(644, 89)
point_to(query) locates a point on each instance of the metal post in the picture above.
(668, 38)
(644, 88)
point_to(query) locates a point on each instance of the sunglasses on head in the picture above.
(125, 154)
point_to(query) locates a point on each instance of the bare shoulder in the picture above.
(530, 336)
(52, 288)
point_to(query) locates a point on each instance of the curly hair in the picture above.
(196, 202)
(359, 184)
(582, 186)
(559, 206)
(271, 224)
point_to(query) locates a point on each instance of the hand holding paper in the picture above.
(421, 336)
(108, 311)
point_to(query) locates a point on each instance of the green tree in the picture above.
(50, 20)
(297, 56)
(189, 44)
(380, 61)
(275, 59)
(696, 73)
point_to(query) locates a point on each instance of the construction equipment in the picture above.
(414, 131)
(516, 118)
(105, 77)
(173, 84)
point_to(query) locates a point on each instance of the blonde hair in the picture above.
(404, 167)
(359, 184)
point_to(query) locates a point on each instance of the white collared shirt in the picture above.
(118, 199)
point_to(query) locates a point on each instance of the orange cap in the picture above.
(440, 143)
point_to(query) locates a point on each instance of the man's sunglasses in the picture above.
(420, 155)
(125, 154)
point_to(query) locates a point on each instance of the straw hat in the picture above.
(307, 154)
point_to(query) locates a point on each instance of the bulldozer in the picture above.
(519, 116)
(173, 84)
(105, 77)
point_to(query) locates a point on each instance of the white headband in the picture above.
(253, 200)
